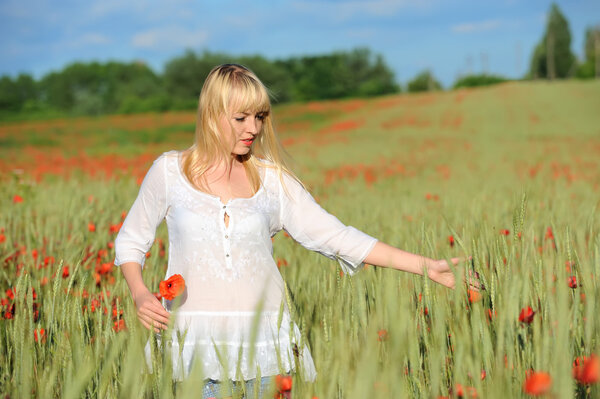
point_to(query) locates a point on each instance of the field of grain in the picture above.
(508, 175)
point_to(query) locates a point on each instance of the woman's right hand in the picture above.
(151, 312)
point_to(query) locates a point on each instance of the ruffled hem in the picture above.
(227, 356)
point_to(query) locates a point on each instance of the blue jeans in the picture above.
(217, 389)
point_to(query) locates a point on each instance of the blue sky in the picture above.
(449, 37)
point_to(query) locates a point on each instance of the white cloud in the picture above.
(476, 27)
(169, 37)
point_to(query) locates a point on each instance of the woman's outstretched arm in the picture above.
(150, 311)
(388, 256)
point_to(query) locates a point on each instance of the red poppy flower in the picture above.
(172, 287)
(572, 282)
(586, 370)
(2, 238)
(91, 227)
(474, 296)
(39, 334)
(451, 240)
(119, 325)
(505, 232)
(65, 272)
(17, 199)
(537, 383)
(114, 228)
(284, 386)
(461, 390)
(526, 315)
(382, 335)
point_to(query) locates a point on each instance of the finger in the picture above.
(456, 261)
(157, 307)
(150, 319)
(156, 314)
(151, 323)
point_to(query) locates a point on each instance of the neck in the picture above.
(225, 167)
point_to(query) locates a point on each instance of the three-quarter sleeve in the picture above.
(136, 236)
(317, 230)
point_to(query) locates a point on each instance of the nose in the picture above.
(253, 126)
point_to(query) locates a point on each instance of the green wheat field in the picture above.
(507, 175)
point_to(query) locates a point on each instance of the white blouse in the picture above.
(229, 270)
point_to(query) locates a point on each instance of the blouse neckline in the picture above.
(212, 196)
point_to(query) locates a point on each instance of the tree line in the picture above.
(118, 87)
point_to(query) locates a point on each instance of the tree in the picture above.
(185, 75)
(590, 67)
(15, 94)
(552, 57)
(424, 81)
(357, 73)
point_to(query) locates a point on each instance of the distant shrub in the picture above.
(478, 80)
(424, 81)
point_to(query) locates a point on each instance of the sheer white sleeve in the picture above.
(139, 228)
(318, 230)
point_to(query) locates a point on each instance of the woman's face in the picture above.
(240, 129)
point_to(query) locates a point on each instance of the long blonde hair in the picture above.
(226, 86)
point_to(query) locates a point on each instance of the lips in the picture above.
(247, 142)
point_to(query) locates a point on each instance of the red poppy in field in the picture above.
(586, 370)
(537, 383)
(526, 315)
(91, 227)
(451, 240)
(284, 386)
(39, 334)
(119, 325)
(572, 282)
(474, 296)
(11, 293)
(505, 232)
(382, 335)
(65, 272)
(104, 268)
(114, 228)
(460, 391)
(549, 234)
(2, 238)
(17, 199)
(172, 287)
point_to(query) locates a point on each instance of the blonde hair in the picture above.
(228, 86)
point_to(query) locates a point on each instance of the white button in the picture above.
(226, 236)
(227, 255)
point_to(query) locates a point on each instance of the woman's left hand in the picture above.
(440, 272)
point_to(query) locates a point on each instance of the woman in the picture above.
(223, 200)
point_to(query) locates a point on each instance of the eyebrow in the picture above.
(247, 113)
